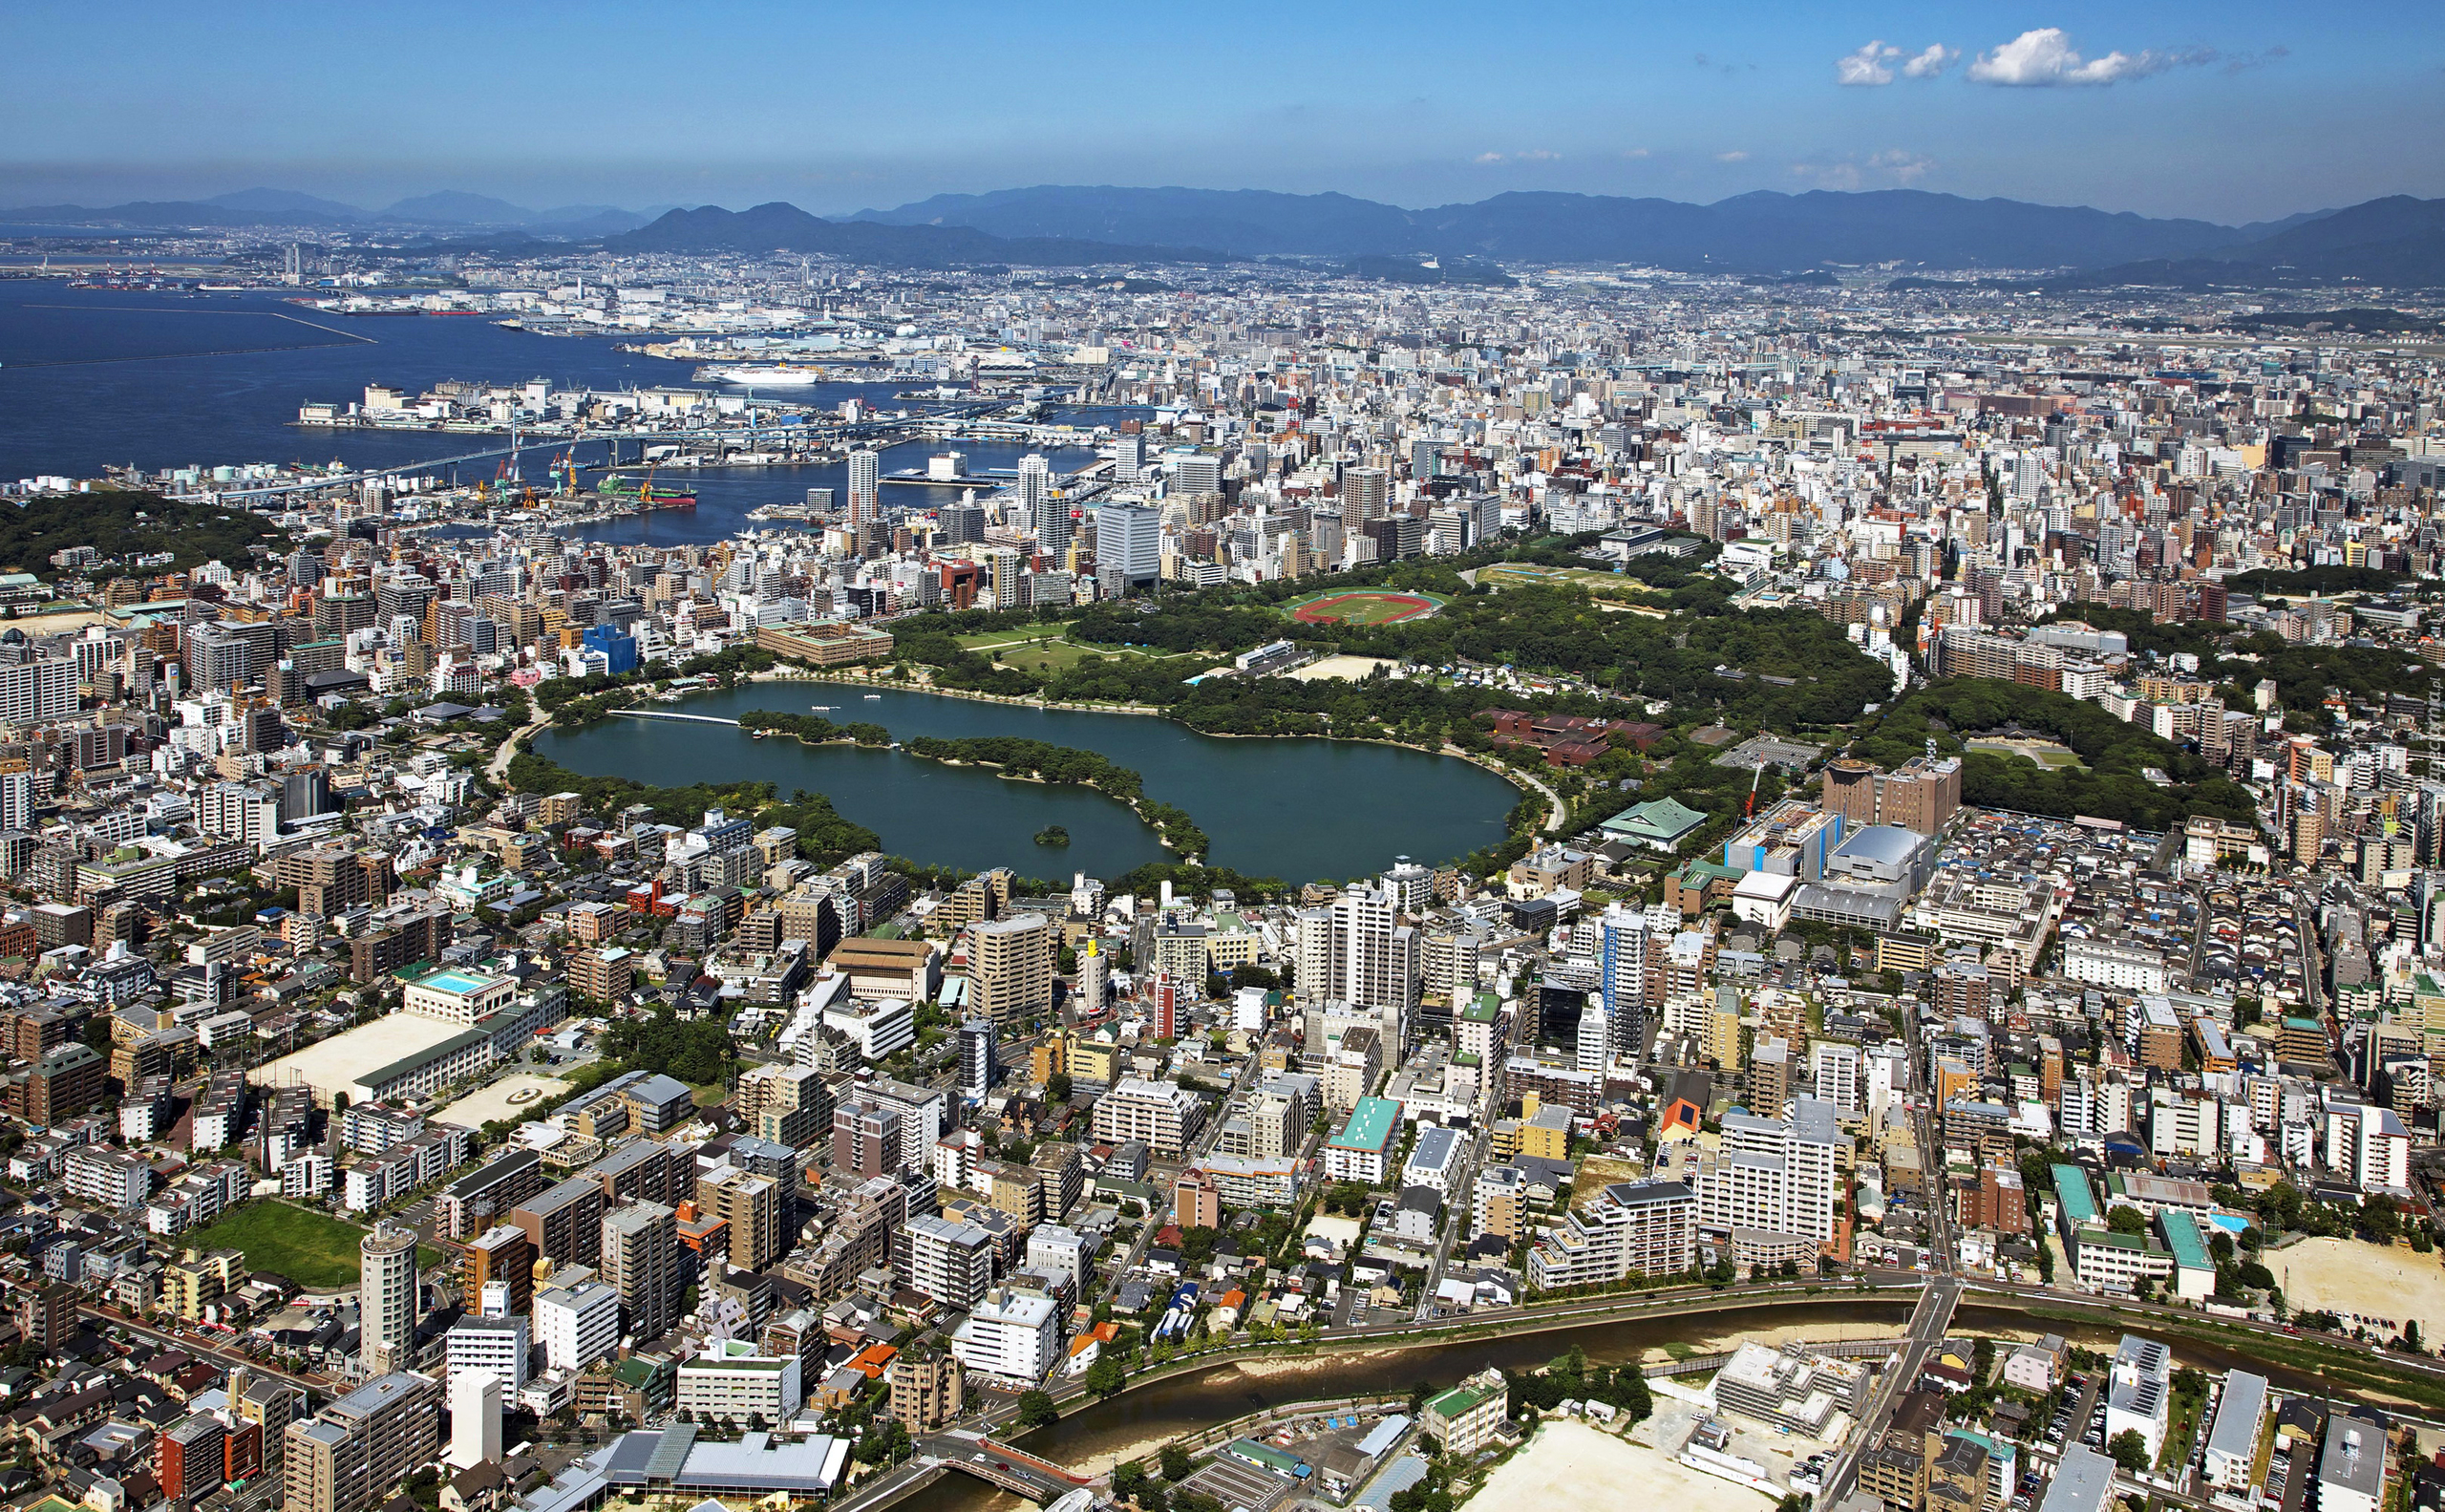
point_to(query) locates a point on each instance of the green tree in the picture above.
(1176, 1463)
(1036, 1409)
(2128, 1450)
(2125, 1218)
(1105, 1377)
(1057, 1088)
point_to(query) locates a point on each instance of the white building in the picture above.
(1776, 1176)
(475, 1419)
(730, 1380)
(499, 1345)
(2114, 965)
(1009, 1335)
(579, 1324)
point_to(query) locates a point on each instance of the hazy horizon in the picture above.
(2228, 112)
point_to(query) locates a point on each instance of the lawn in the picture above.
(316, 1250)
(1605, 584)
(1016, 636)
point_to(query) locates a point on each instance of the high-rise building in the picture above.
(1364, 496)
(977, 1061)
(1012, 967)
(1366, 957)
(500, 1253)
(351, 1455)
(865, 501)
(387, 1299)
(1774, 1177)
(752, 1205)
(577, 1325)
(499, 1344)
(1129, 548)
(1625, 952)
(640, 1261)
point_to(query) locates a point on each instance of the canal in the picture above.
(1297, 809)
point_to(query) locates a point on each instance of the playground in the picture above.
(1363, 607)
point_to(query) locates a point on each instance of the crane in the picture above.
(1756, 775)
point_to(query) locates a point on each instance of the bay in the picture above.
(91, 378)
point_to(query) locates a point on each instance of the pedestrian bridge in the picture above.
(664, 714)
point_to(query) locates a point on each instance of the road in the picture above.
(499, 768)
(196, 1346)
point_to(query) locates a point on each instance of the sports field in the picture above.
(1362, 607)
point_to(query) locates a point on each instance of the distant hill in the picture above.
(779, 227)
(1764, 232)
(2397, 241)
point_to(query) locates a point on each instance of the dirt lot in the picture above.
(1572, 1467)
(1350, 669)
(2346, 1276)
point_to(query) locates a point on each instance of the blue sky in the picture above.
(2232, 112)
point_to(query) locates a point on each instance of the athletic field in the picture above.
(1362, 607)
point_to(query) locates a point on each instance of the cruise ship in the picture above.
(763, 374)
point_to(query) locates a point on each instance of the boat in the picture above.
(874, 698)
(757, 734)
(823, 709)
(777, 375)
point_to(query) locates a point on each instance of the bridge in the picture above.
(1040, 1481)
(665, 714)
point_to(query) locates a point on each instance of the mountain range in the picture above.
(2397, 241)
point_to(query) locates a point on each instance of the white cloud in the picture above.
(1634, 152)
(2045, 58)
(1870, 66)
(1902, 167)
(1882, 168)
(1735, 156)
(1934, 61)
(1489, 156)
(1532, 155)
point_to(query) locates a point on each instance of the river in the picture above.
(95, 377)
(1297, 809)
(1136, 1422)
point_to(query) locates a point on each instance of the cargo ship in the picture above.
(645, 495)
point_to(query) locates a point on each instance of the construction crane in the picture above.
(1756, 775)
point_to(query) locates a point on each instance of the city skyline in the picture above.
(2177, 111)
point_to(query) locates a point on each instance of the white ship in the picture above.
(763, 374)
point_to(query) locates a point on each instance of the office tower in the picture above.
(977, 1068)
(1128, 459)
(1195, 472)
(351, 1455)
(752, 1208)
(1364, 496)
(865, 503)
(960, 524)
(1129, 548)
(1050, 517)
(387, 1299)
(640, 1261)
(475, 1419)
(1012, 969)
